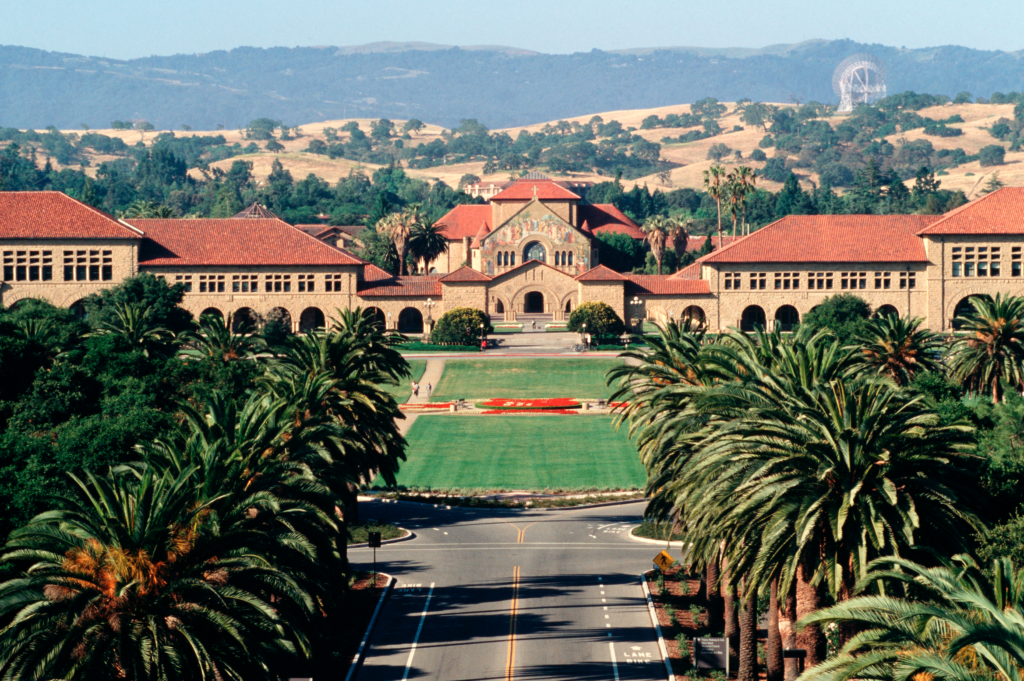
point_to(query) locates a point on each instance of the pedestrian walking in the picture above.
(415, 389)
(430, 389)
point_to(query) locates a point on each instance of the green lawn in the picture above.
(519, 452)
(403, 391)
(522, 378)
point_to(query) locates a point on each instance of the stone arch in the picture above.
(514, 301)
(753, 317)
(568, 307)
(78, 309)
(244, 316)
(963, 308)
(887, 311)
(212, 311)
(533, 302)
(280, 314)
(410, 320)
(536, 250)
(378, 316)
(25, 301)
(499, 307)
(694, 313)
(311, 319)
(786, 318)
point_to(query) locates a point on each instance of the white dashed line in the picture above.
(615, 665)
(412, 650)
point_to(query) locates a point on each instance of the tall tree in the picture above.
(715, 186)
(656, 229)
(427, 242)
(398, 227)
(897, 348)
(990, 347)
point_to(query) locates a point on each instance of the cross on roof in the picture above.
(534, 191)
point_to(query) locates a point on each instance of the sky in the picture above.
(123, 29)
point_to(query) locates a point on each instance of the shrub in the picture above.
(992, 155)
(461, 326)
(842, 314)
(600, 319)
(836, 174)
(775, 170)
(758, 155)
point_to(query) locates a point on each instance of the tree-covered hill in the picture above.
(499, 87)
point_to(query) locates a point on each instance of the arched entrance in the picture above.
(695, 314)
(499, 307)
(887, 311)
(78, 309)
(212, 311)
(786, 318)
(410, 320)
(377, 315)
(963, 309)
(279, 314)
(568, 306)
(245, 318)
(535, 251)
(533, 303)
(311, 319)
(753, 318)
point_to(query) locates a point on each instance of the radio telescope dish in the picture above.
(860, 79)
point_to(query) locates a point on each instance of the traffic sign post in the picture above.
(711, 653)
(374, 542)
(664, 561)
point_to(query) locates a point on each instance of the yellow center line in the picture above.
(522, 532)
(510, 666)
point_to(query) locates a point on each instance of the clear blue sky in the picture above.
(125, 29)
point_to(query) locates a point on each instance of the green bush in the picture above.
(600, 318)
(992, 155)
(843, 314)
(461, 326)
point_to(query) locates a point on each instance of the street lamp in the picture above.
(583, 333)
(483, 341)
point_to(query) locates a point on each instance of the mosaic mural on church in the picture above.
(503, 248)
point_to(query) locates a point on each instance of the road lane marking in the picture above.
(615, 665)
(510, 665)
(415, 640)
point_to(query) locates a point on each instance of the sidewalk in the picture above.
(431, 375)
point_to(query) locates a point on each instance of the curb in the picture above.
(408, 537)
(599, 504)
(357, 660)
(657, 627)
(660, 542)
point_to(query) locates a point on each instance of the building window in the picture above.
(211, 283)
(908, 280)
(88, 266)
(819, 280)
(307, 283)
(277, 283)
(758, 280)
(968, 269)
(570, 258)
(853, 280)
(184, 279)
(512, 259)
(787, 280)
(244, 283)
(28, 265)
(732, 281)
(1015, 261)
(883, 280)
(333, 283)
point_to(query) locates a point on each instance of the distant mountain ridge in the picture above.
(499, 86)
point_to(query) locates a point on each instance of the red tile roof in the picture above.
(374, 273)
(831, 238)
(691, 271)
(600, 273)
(696, 242)
(465, 274)
(529, 263)
(665, 285)
(545, 190)
(604, 217)
(233, 241)
(1001, 212)
(481, 234)
(420, 285)
(54, 215)
(463, 221)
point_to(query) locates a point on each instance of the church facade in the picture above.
(530, 254)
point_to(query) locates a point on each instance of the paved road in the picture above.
(526, 594)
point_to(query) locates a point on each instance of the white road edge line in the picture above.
(369, 628)
(415, 640)
(615, 665)
(657, 627)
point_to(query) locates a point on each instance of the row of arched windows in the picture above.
(561, 258)
(506, 259)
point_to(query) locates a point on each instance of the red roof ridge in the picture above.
(73, 229)
(481, 233)
(527, 190)
(941, 221)
(465, 273)
(600, 273)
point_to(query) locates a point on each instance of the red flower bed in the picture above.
(426, 405)
(553, 403)
(530, 411)
(618, 405)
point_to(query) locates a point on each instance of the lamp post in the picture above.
(583, 333)
(637, 320)
(483, 341)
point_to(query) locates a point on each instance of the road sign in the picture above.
(374, 539)
(663, 560)
(711, 653)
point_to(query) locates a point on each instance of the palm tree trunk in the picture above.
(808, 599)
(790, 666)
(732, 625)
(718, 202)
(774, 645)
(748, 635)
(712, 596)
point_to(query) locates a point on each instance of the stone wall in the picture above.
(611, 292)
(463, 294)
(123, 257)
(557, 287)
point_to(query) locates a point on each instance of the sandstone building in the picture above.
(531, 252)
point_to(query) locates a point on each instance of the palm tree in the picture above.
(897, 348)
(398, 228)
(427, 242)
(148, 209)
(714, 185)
(135, 577)
(741, 184)
(133, 323)
(656, 228)
(953, 621)
(214, 340)
(990, 348)
(678, 232)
